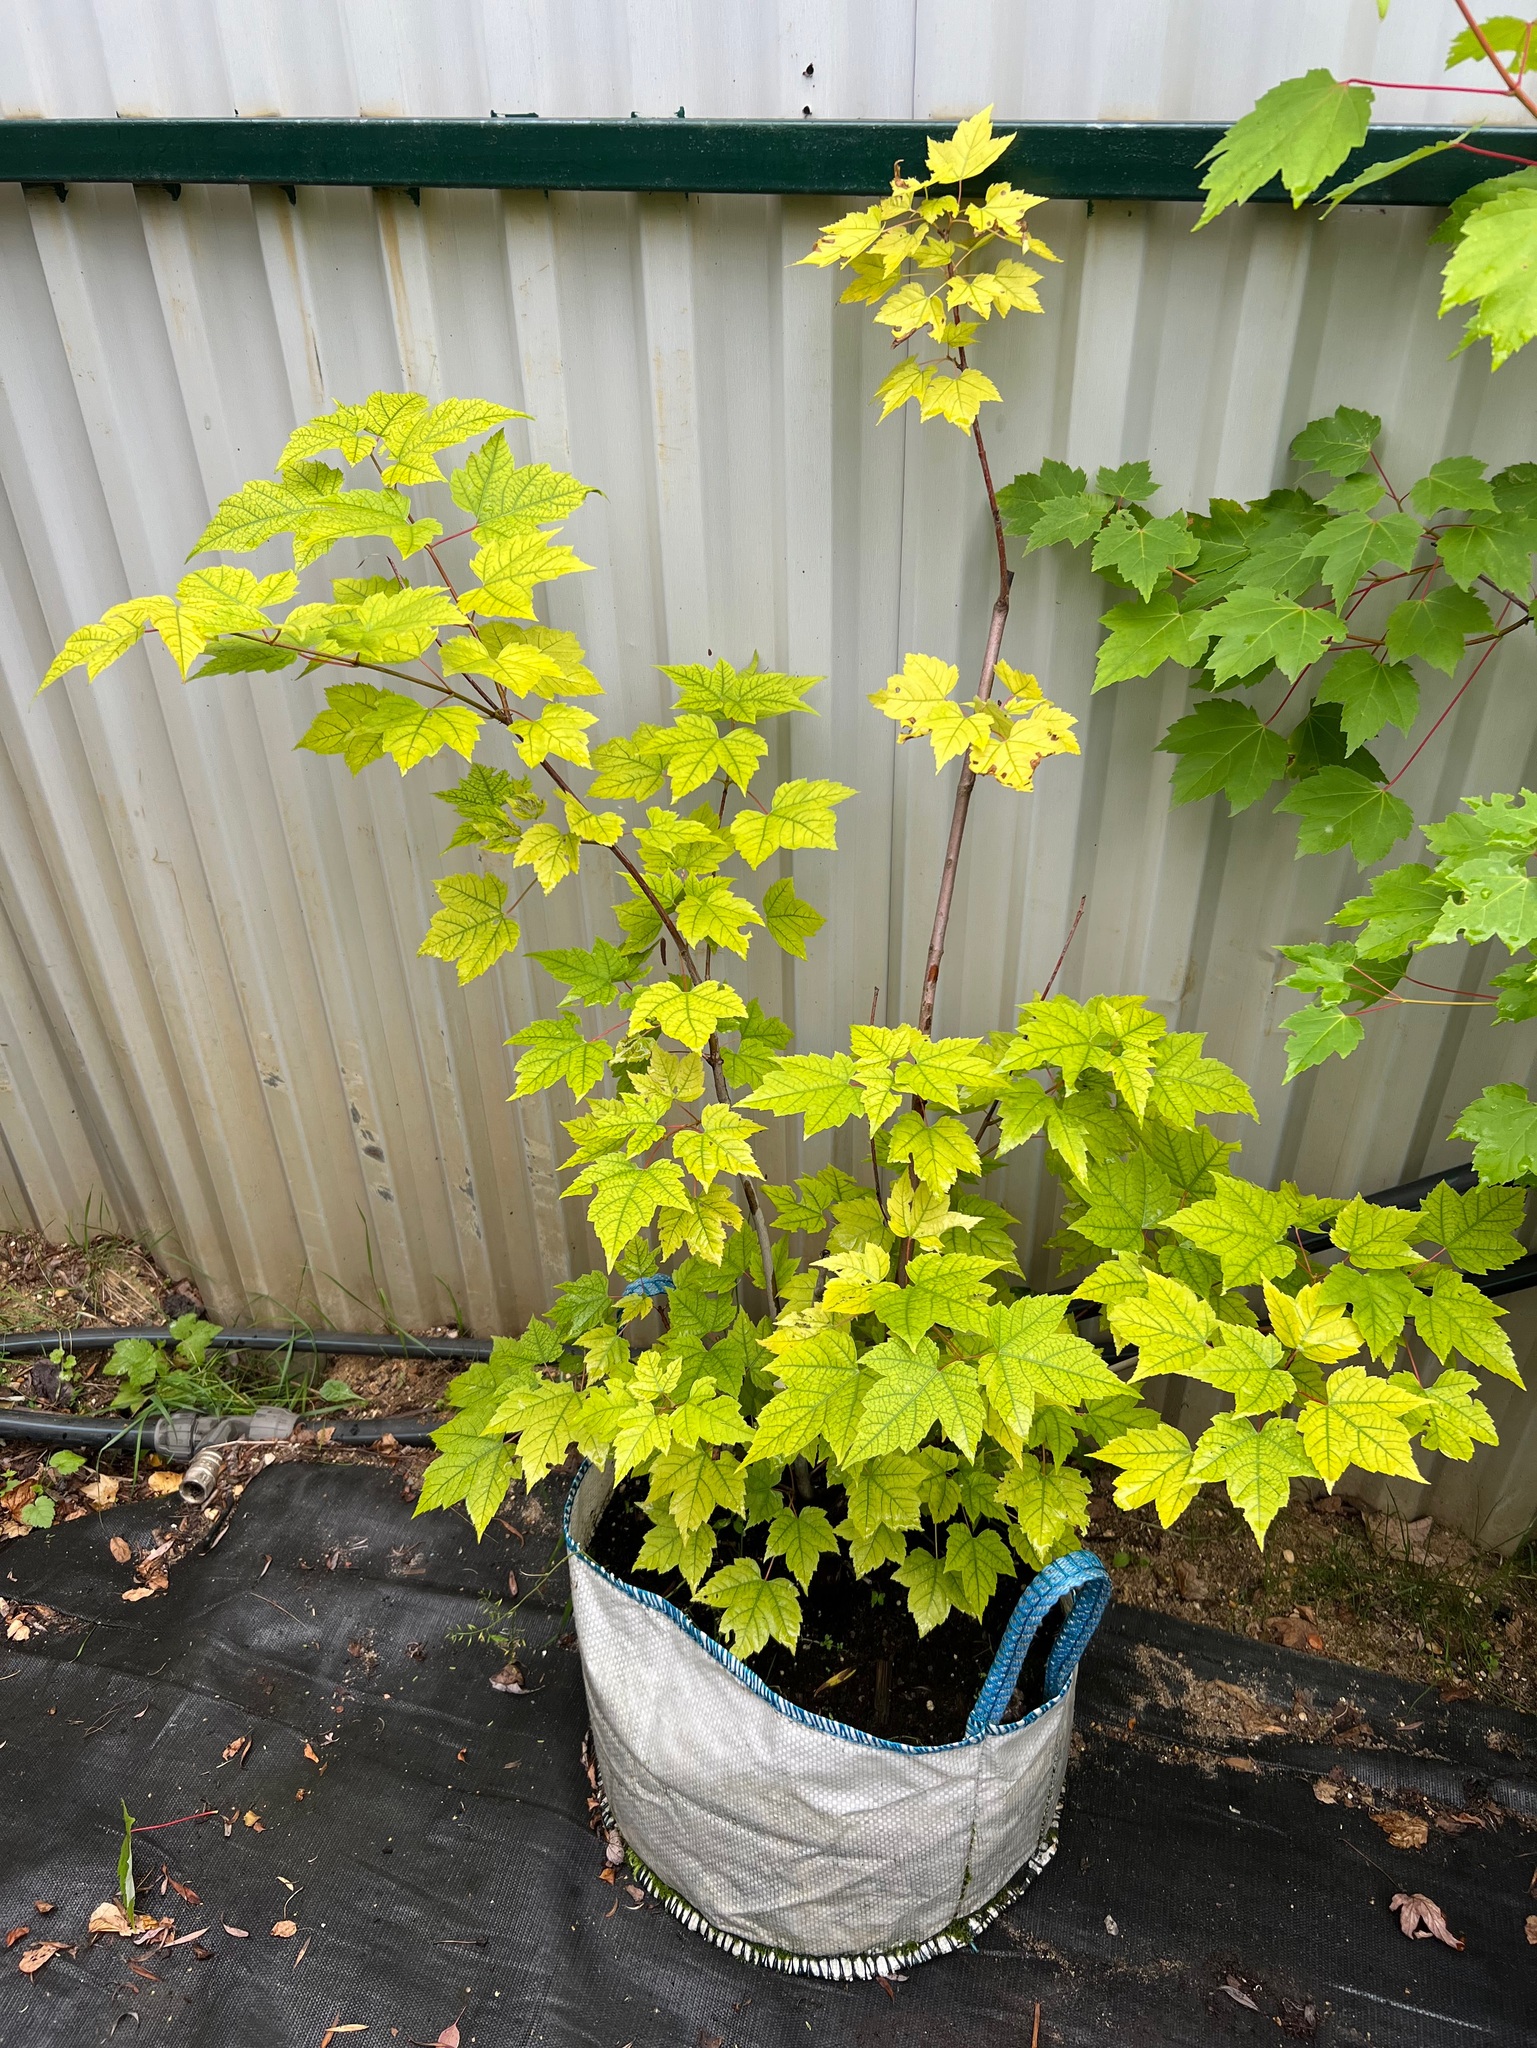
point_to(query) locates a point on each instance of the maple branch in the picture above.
(968, 779)
(1512, 86)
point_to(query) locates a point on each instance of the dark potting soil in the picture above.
(860, 1658)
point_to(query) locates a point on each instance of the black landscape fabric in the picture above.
(434, 1859)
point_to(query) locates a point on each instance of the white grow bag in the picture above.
(795, 1840)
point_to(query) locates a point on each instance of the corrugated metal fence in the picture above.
(211, 1015)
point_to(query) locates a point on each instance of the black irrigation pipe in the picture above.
(324, 1343)
(1106, 160)
(115, 1433)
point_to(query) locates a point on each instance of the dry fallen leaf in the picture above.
(449, 2038)
(1403, 1830)
(508, 1679)
(233, 1749)
(42, 1905)
(109, 1918)
(33, 1959)
(143, 1592)
(121, 1549)
(310, 1753)
(284, 1928)
(17, 1934)
(185, 1891)
(252, 1820)
(336, 2027)
(102, 1491)
(162, 1483)
(1325, 1791)
(240, 1933)
(1237, 1993)
(16, 1629)
(1421, 1918)
(1531, 1929)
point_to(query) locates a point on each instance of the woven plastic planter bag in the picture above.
(790, 1838)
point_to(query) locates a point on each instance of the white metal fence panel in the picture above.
(211, 1008)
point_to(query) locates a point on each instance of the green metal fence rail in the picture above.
(1062, 159)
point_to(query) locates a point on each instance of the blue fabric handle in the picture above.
(1080, 1574)
(650, 1283)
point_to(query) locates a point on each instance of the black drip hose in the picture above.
(324, 1343)
(114, 1432)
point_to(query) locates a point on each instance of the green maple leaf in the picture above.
(1223, 746)
(907, 1393)
(1033, 1361)
(697, 750)
(943, 1069)
(789, 921)
(544, 1416)
(1517, 1002)
(710, 912)
(760, 1038)
(1245, 1226)
(800, 815)
(939, 1153)
(1456, 484)
(557, 1051)
(975, 1560)
(1476, 1228)
(1371, 694)
(1143, 554)
(1340, 445)
(348, 726)
(1378, 1303)
(941, 1287)
(625, 1197)
(1360, 1423)
(1492, 266)
(1339, 807)
(630, 766)
(1499, 547)
(1169, 1324)
(593, 977)
(1457, 1317)
(886, 1493)
(1256, 1465)
(1255, 628)
(1436, 627)
(694, 1484)
(1074, 517)
(1153, 1470)
(690, 1015)
(472, 929)
(1399, 911)
(1499, 901)
(1247, 1365)
(1125, 1198)
(499, 492)
(1187, 1085)
(1142, 637)
(1300, 131)
(929, 1593)
(818, 1086)
(1021, 501)
(1502, 1128)
(469, 1467)
(722, 1144)
(1047, 1500)
(666, 1549)
(800, 1539)
(819, 1399)
(741, 695)
(1455, 1420)
(1377, 1237)
(1355, 542)
(1128, 480)
(753, 1608)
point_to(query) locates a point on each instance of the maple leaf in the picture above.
(1244, 1226)
(469, 1467)
(906, 1392)
(1300, 131)
(1502, 1126)
(1376, 1236)
(1048, 1500)
(557, 1051)
(1246, 1364)
(1453, 1419)
(938, 1153)
(818, 1086)
(1458, 1317)
(1154, 1469)
(1361, 1422)
(801, 1538)
(1477, 1227)
(975, 1560)
(1421, 1919)
(929, 1595)
(472, 929)
(690, 1015)
(753, 1609)
(1170, 1325)
(818, 1401)
(1256, 1465)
